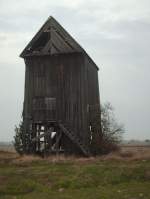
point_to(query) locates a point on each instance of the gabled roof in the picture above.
(51, 39)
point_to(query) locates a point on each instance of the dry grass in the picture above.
(130, 153)
(9, 148)
(7, 155)
(124, 154)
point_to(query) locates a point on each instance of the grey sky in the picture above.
(115, 33)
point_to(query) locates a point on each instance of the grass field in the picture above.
(116, 176)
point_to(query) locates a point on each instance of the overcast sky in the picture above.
(115, 33)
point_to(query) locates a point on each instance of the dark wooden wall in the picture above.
(93, 84)
(65, 82)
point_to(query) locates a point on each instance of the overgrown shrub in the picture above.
(108, 132)
(18, 138)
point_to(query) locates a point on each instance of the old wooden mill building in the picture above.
(61, 93)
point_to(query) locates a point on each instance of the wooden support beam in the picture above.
(58, 138)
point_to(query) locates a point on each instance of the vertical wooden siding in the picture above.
(72, 81)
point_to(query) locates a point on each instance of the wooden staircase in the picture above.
(74, 139)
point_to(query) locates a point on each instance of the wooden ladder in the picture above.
(74, 139)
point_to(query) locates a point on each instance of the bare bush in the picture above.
(108, 132)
